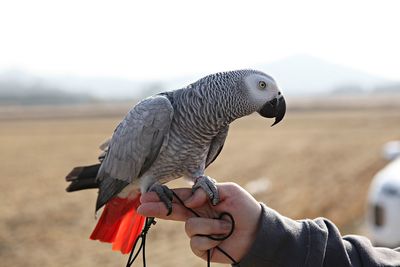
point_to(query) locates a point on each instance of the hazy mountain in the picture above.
(296, 75)
(102, 87)
(304, 74)
(19, 88)
(393, 88)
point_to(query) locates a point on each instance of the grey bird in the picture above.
(177, 134)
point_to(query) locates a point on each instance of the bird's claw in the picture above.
(165, 194)
(209, 186)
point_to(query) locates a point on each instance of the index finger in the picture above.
(182, 193)
(151, 206)
(158, 210)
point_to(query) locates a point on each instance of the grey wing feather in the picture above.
(216, 145)
(105, 144)
(104, 149)
(135, 145)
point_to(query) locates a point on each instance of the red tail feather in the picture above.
(119, 224)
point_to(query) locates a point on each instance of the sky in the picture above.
(155, 40)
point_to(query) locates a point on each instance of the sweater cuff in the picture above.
(282, 241)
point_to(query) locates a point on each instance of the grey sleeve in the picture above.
(282, 241)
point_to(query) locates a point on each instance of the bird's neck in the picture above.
(208, 108)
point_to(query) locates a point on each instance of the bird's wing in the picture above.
(216, 145)
(105, 144)
(135, 145)
(104, 149)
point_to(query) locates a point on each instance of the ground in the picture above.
(318, 161)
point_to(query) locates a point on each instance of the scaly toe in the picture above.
(165, 194)
(209, 186)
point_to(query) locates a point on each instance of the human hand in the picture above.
(235, 200)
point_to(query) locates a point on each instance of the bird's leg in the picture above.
(209, 186)
(165, 194)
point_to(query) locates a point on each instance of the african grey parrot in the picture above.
(170, 135)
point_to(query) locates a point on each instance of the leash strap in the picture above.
(151, 221)
(213, 237)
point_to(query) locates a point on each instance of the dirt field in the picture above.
(314, 163)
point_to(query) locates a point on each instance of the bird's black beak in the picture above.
(276, 108)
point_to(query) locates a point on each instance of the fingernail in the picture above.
(188, 201)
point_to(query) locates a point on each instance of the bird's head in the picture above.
(263, 93)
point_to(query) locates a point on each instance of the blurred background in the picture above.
(70, 70)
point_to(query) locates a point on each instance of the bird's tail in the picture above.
(83, 177)
(119, 223)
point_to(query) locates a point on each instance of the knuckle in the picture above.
(197, 252)
(189, 225)
(231, 187)
(234, 187)
(195, 245)
(199, 243)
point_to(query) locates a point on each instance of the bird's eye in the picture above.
(262, 85)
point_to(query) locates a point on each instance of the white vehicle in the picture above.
(383, 215)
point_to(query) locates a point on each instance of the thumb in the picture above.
(198, 199)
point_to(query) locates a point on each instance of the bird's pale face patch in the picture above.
(261, 89)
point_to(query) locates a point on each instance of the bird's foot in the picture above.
(209, 186)
(165, 194)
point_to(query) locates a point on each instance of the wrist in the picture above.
(253, 227)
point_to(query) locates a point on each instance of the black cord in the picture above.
(150, 221)
(219, 238)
